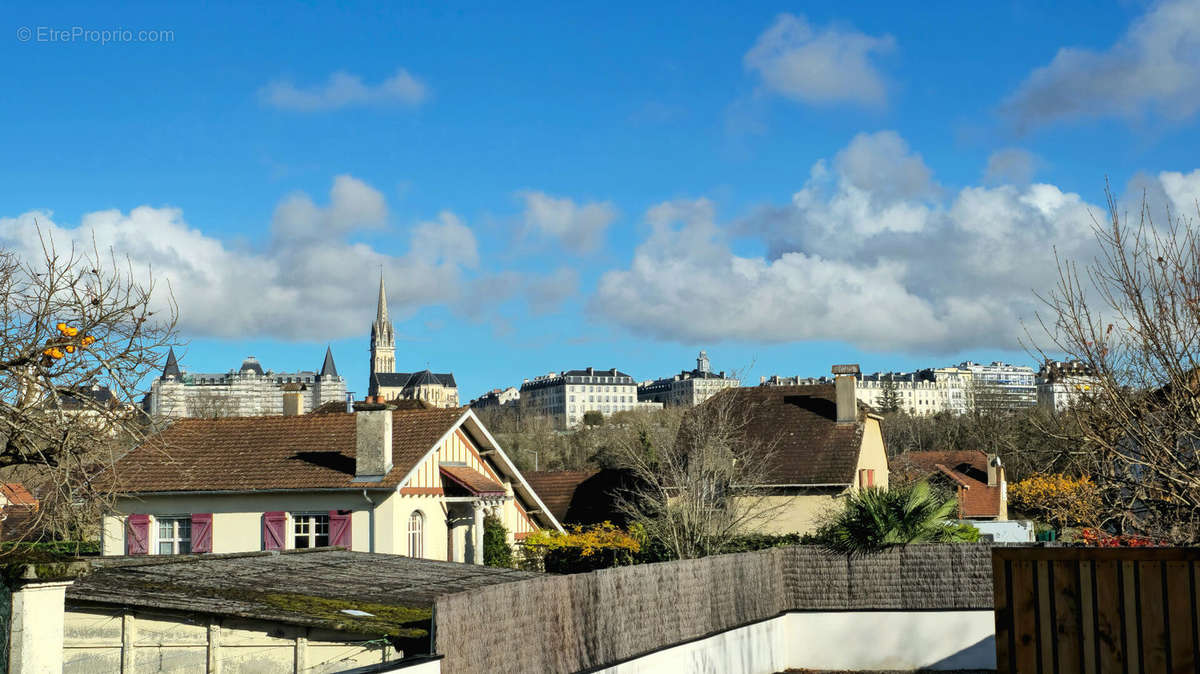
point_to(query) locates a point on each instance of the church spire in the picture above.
(172, 366)
(381, 316)
(328, 369)
(383, 339)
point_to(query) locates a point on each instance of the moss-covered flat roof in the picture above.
(300, 587)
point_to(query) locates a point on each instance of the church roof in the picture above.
(172, 367)
(328, 369)
(407, 379)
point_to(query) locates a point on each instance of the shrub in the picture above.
(579, 550)
(876, 519)
(496, 550)
(1060, 500)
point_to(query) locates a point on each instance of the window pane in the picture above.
(165, 547)
(164, 528)
(185, 547)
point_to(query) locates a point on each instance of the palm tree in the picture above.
(875, 519)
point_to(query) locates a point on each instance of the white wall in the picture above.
(847, 640)
(1007, 531)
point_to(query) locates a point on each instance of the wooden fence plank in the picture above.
(1155, 634)
(1068, 637)
(1045, 615)
(1111, 643)
(1087, 613)
(1179, 616)
(1129, 620)
(1024, 616)
(1003, 616)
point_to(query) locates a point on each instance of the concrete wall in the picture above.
(853, 641)
(36, 628)
(1006, 531)
(102, 640)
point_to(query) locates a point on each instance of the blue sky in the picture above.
(785, 185)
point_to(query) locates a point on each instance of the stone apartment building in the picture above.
(498, 397)
(1062, 384)
(566, 396)
(956, 389)
(248, 391)
(437, 389)
(687, 389)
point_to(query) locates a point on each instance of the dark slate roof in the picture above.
(406, 379)
(309, 451)
(811, 447)
(265, 585)
(581, 497)
(328, 369)
(595, 373)
(251, 363)
(172, 367)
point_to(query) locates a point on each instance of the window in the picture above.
(310, 530)
(416, 535)
(174, 535)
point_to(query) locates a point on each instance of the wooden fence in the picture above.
(1092, 610)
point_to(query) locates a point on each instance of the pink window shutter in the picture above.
(202, 532)
(339, 528)
(137, 535)
(274, 533)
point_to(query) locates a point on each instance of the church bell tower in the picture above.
(383, 339)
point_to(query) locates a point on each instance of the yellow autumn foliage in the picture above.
(1061, 500)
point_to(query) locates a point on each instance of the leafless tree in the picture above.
(71, 319)
(698, 475)
(1132, 316)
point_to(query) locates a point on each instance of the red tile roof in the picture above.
(311, 451)
(969, 471)
(17, 494)
(556, 488)
(473, 481)
(812, 448)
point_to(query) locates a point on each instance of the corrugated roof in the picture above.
(311, 451)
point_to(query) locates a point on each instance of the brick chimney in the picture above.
(372, 441)
(845, 377)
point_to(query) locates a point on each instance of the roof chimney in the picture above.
(844, 378)
(995, 470)
(372, 441)
(293, 399)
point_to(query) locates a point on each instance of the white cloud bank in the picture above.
(344, 90)
(870, 251)
(577, 227)
(1153, 67)
(828, 65)
(309, 282)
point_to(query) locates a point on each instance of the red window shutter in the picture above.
(202, 532)
(137, 535)
(274, 532)
(870, 477)
(339, 528)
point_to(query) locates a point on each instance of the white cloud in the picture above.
(1153, 67)
(856, 257)
(578, 227)
(344, 90)
(310, 282)
(822, 66)
(352, 204)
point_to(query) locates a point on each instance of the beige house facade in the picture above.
(827, 447)
(415, 482)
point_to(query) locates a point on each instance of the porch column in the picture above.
(477, 530)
